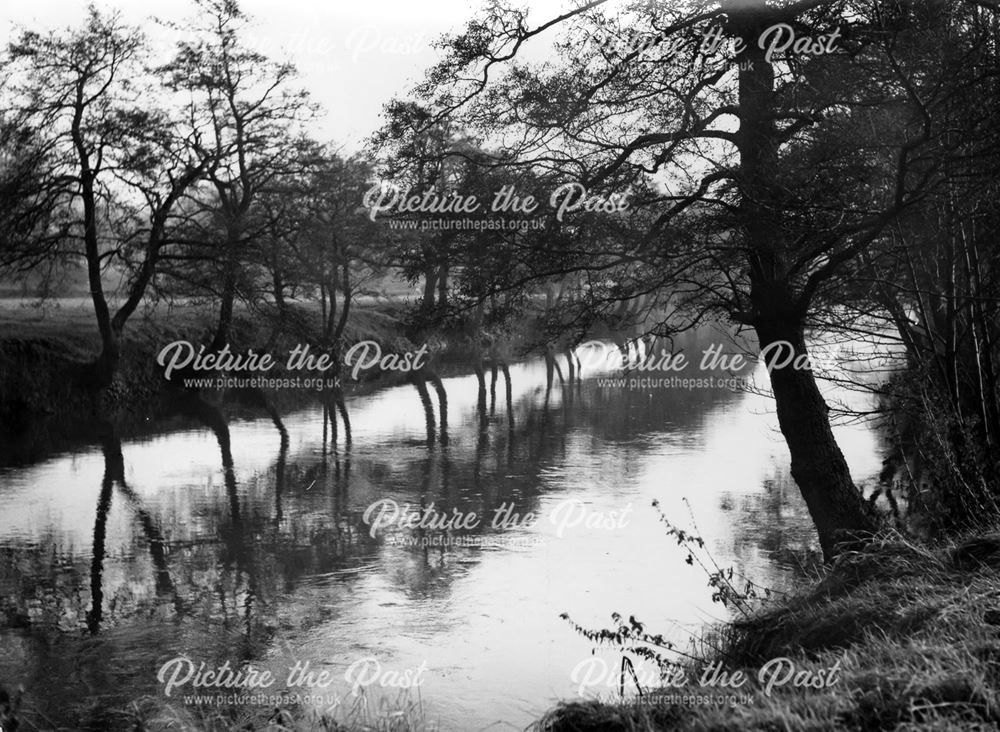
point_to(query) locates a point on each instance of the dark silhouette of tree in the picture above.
(255, 119)
(765, 175)
(108, 169)
(324, 245)
(932, 279)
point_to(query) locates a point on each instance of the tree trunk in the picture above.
(818, 466)
(430, 283)
(345, 311)
(328, 317)
(225, 324)
(230, 279)
(982, 341)
(107, 362)
(278, 287)
(442, 287)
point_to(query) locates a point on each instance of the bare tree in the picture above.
(111, 168)
(256, 120)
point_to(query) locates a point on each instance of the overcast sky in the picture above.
(353, 55)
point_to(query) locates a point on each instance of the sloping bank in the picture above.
(49, 399)
(895, 637)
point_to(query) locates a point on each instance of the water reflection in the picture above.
(246, 540)
(114, 470)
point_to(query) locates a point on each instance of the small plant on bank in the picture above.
(735, 592)
(732, 591)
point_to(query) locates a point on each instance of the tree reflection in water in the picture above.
(282, 548)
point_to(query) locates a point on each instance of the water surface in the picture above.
(223, 541)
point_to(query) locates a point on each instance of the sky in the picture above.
(352, 56)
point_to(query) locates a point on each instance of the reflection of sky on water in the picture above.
(485, 620)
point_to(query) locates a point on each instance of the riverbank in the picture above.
(49, 403)
(897, 636)
(52, 339)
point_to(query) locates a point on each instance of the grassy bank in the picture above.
(44, 346)
(913, 633)
(43, 349)
(48, 400)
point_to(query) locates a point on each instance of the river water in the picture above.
(129, 562)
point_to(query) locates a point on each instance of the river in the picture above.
(129, 562)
